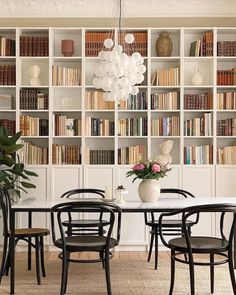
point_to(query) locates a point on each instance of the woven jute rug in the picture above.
(132, 277)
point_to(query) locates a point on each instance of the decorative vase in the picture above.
(67, 47)
(149, 190)
(164, 44)
(197, 78)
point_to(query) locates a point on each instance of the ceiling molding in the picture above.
(106, 8)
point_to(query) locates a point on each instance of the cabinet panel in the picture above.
(200, 182)
(225, 178)
(99, 177)
(65, 179)
(41, 192)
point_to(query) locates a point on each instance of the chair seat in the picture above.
(88, 243)
(86, 223)
(169, 223)
(31, 232)
(200, 244)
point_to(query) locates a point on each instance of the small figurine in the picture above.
(34, 72)
(164, 156)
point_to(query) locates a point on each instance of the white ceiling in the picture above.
(107, 8)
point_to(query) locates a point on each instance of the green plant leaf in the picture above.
(27, 184)
(12, 149)
(30, 173)
(15, 137)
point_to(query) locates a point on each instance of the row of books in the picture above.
(226, 155)
(34, 45)
(7, 74)
(32, 154)
(7, 47)
(10, 125)
(132, 154)
(95, 101)
(168, 126)
(7, 101)
(33, 126)
(199, 126)
(99, 127)
(203, 101)
(165, 101)
(94, 42)
(139, 44)
(226, 100)
(226, 48)
(33, 99)
(226, 77)
(134, 102)
(66, 154)
(64, 126)
(63, 76)
(202, 46)
(226, 127)
(166, 77)
(99, 157)
(132, 126)
(198, 155)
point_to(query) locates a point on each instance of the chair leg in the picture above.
(212, 272)
(37, 249)
(64, 272)
(231, 270)
(191, 272)
(156, 248)
(4, 258)
(7, 264)
(101, 255)
(172, 279)
(42, 256)
(151, 245)
(107, 270)
(29, 253)
(67, 269)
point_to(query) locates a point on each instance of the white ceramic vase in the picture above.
(197, 77)
(149, 190)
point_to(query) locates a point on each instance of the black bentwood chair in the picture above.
(85, 226)
(169, 227)
(82, 243)
(25, 234)
(190, 245)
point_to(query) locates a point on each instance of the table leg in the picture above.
(12, 252)
(29, 239)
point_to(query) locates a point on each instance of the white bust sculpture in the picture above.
(164, 156)
(34, 72)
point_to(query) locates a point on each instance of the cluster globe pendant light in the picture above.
(118, 73)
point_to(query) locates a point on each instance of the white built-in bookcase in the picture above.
(202, 180)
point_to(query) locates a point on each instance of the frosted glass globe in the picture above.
(142, 69)
(135, 90)
(136, 56)
(129, 38)
(123, 81)
(108, 43)
(118, 48)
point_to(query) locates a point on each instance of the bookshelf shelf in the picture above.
(158, 102)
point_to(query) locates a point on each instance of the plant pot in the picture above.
(149, 190)
(164, 44)
(67, 47)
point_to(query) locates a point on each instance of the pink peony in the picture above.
(138, 167)
(156, 168)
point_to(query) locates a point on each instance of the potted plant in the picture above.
(13, 174)
(150, 172)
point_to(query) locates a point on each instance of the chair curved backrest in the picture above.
(176, 191)
(197, 210)
(78, 191)
(82, 207)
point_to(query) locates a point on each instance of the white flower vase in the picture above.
(149, 190)
(197, 77)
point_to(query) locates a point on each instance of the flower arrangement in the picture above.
(148, 170)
